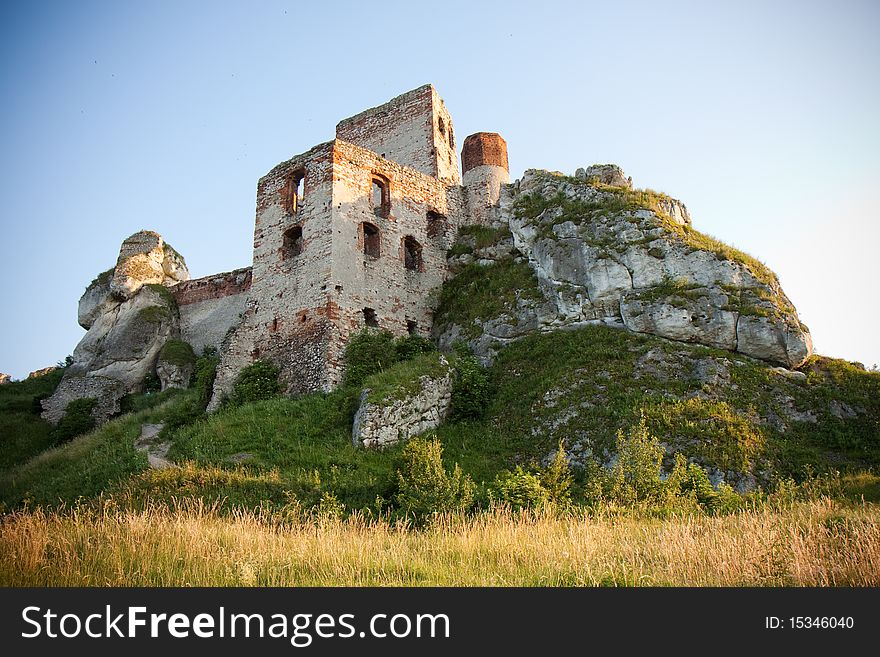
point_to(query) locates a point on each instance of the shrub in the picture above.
(425, 487)
(77, 419)
(367, 353)
(177, 352)
(205, 373)
(470, 389)
(635, 477)
(151, 383)
(257, 381)
(412, 346)
(556, 478)
(520, 489)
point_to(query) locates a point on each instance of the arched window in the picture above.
(370, 238)
(435, 223)
(379, 197)
(292, 195)
(292, 245)
(370, 318)
(412, 254)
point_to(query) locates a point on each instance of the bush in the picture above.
(556, 478)
(151, 383)
(520, 489)
(257, 381)
(470, 389)
(177, 352)
(412, 346)
(425, 487)
(77, 419)
(635, 477)
(205, 373)
(367, 353)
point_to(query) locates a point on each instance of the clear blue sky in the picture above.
(761, 116)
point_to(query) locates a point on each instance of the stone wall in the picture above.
(379, 424)
(287, 310)
(414, 129)
(422, 209)
(211, 307)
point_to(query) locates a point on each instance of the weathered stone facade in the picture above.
(355, 233)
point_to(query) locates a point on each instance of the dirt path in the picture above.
(156, 451)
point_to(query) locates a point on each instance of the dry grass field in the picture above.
(819, 543)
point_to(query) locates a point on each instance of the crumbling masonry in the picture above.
(351, 233)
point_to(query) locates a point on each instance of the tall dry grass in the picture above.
(810, 544)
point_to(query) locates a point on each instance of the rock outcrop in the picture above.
(130, 314)
(602, 252)
(379, 423)
(105, 390)
(175, 365)
(146, 258)
(43, 371)
(5, 378)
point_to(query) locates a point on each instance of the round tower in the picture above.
(484, 170)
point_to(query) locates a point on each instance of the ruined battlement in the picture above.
(215, 286)
(352, 233)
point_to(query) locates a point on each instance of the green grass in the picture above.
(307, 441)
(23, 433)
(485, 292)
(86, 466)
(177, 352)
(403, 379)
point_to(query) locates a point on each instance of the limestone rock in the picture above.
(699, 317)
(774, 341)
(380, 424)
(91, 303)
(42, 372)
(146, 258)
(607, 174)
(122, 345)
(5, 378)
(175, 365)
(107, 391)
(619, 257)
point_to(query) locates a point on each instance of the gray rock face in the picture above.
(378, 425)
(129, 315)
(607, 174)
(125, 341)
(107, 391)
(146, 258)
(172, 374)
(629, 258)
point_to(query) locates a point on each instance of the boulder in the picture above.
(91, 303)
(175, 365)
(605, 253)
(607, 174)
(389, 421)
(108, 392)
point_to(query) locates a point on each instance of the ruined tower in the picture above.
(484, 170)
(350, 234)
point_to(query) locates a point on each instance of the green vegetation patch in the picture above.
(178, 353)
(404, 378)
(103, 278)
(85, 466)
(485, 292)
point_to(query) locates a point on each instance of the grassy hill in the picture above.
(737, 418)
